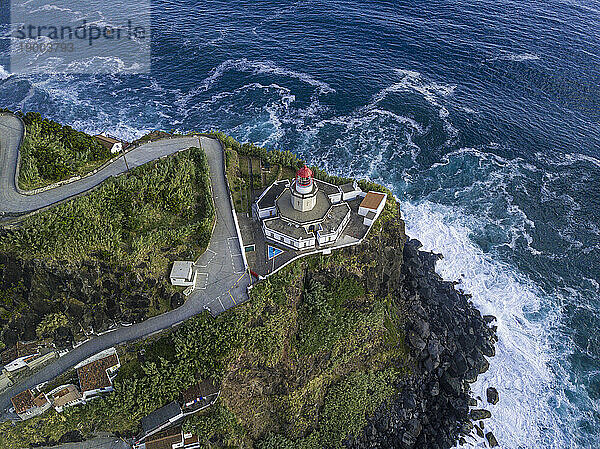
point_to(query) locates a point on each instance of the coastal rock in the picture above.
(479, 414)
(479, 431)
(412, 432)
(416, 341)
(492, 395)
(491, 439)
(448, 341)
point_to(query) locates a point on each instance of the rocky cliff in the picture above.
(449, 344)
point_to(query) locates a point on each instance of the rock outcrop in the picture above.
(448, 341)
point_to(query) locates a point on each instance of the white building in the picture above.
(65, 396)
(182, 273)
(289, 234)
(308, 214)
(27, 404)
(265, 206)
(304, 213)
(350, 191)
(114, 145)
(334, 223)
(371, 206)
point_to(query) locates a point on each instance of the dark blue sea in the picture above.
(482, 116)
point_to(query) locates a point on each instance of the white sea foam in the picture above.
(3, 73)
(261, 67)
(431, 91)
(525, 416)
(516, 57)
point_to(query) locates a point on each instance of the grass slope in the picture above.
(125, 234)
(150, 213)
(52, 152)
(302, 364)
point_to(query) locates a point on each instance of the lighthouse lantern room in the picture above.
(304, 190)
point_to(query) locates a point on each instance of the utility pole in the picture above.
(125, 159)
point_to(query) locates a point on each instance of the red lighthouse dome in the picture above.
(304, 176)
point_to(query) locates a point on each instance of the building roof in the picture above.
(292, 230)
(160, 416)
(201, 389)
(107, 139)
(334, 218)
(93, 375)
(165, 439)
(287, 211)
(23, 401)
(65, 395)
(349, 187)
(372, 200)
(19, 350)
(40, 400)
(304, 172)
(370, 215)
(270, 195)
(328, 189)
(182, 269)
(193, 439)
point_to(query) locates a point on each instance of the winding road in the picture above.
(222, 277)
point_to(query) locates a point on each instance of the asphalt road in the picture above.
(100, 442)
(222, 283)
(12, 202)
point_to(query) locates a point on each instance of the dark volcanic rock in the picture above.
(412, 432)
(492, 395)
(479, 414)
(491, 439)
(449, 342)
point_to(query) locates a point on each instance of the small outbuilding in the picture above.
(350, 191)
(182, 273)
(27, 404)
(371, 206)
(110, 143)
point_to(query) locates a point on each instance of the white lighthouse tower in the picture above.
(304, 190)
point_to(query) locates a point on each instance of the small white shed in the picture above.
(371, 206)
(114, 145)
(182, 273)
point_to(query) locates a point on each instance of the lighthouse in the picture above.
(304, 190)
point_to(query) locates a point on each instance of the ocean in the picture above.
(483, 117)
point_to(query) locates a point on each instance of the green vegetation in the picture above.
(267, 167)
(302, 364)
(50, 323)
(119, 240)
(128, 220)
(52, 152)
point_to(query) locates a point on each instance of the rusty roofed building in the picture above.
(96, 373)
(172, 438)
(27, 404)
